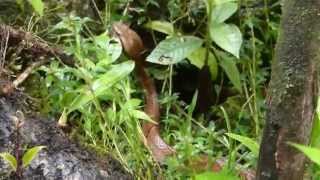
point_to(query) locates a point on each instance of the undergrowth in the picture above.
(103, 103)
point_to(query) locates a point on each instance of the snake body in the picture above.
(134, 48)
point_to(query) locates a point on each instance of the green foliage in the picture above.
(222, 12)
(315, 135)
(198, 58)
(227, 36)
(30, 155)
(98, 85)
(174, 49)
(161, 26)
(27, 157)
(312, 153)
(20, 4)
(229, 66)
(97, 96)
(37, 5)
(248, 142)
(11, 160)
(102, 100)
(216, 176)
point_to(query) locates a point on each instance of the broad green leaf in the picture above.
(227, 36)
(115, 74)
(37, 5)
(111, 49)
(140, 115)
(161, 26)
(221, 175)
(30, 155)
(174, 49)
(222, 12)
(101, 84)
(198, 57)
(114, 50)
(229, 66)
(81, 99)
(101, 40)
(312, 153)
(11, 160)
(132, 103)
(210, 4)
(248, 142)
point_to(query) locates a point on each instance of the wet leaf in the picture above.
(173, 50)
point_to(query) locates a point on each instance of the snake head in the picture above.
(130, 40)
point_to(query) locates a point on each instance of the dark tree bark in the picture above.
(292, 92)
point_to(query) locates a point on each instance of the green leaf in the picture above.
(312, 153)
(115, 74)
(81, 99)
(315, 135)
(227, 36)
(193, 103)
(11, 160)
(161, 26)
(30, 155)
(132, 103)
(229, 66)
(112, 50)
(222, 12)
(37, 5)
(248, 142)
(197, 58)
(221, 175)
(101, 84)
(211, 4)
(140, 115)
(174, 49)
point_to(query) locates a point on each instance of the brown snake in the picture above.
(134, 48)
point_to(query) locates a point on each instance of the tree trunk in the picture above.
(292, 92)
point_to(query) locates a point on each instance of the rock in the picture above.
(62, 159)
